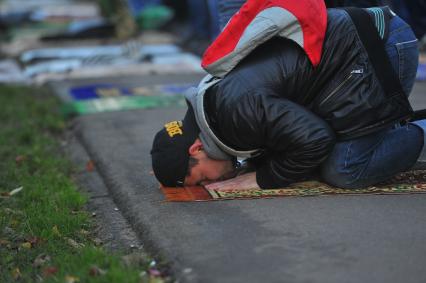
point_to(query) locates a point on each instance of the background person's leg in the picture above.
(414, 13)
(353, 3)
(214, 26)
(199, 16)
(227, 8)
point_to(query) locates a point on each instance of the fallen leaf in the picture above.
(55, 231)
(4, 242)
(90, 166)
(143, 274)
(187, 270)
(9, 231)
(16, 274)
(71, 279)
(26, 245)
(154, 272)
(84, 232)
(11, 193)
(15, 191)
(13, 212)
(97, 241)
(11, 234)
(134, 259)
(34, 241)
(96, 271)
(41, 259)
(49, 271)
(4, 194)
(14, 223)
(20, 158)
(154, 279)
(74, 244)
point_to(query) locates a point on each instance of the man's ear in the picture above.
(196, 147)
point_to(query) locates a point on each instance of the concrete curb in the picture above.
(111, 226)
(322, 239)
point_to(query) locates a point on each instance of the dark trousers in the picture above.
(353, 3)
(414, 13)
(227, 8)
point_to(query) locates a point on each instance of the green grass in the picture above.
(49, 211)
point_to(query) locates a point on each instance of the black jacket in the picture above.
(275, 100)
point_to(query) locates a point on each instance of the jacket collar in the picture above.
(213, 146)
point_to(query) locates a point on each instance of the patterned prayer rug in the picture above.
(95, 98)
(413, 182)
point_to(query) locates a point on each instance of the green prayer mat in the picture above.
(121, 103)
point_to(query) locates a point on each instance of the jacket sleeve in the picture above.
(295, 140)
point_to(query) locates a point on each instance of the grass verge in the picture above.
(44, 231)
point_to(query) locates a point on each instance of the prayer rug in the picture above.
(108, 97)
(120, 103)
(421, 71)
(96, 91)
(412, 182)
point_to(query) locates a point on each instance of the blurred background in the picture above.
(50, 41)
(68, 58)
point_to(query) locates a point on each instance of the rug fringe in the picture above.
(185, 194)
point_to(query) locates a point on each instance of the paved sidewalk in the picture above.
(308, 239)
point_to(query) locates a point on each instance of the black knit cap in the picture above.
(169, 152)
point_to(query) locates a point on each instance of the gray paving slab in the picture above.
(418, 96)
(310, 239)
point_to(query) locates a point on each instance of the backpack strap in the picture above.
(419, 115)
(375, 48)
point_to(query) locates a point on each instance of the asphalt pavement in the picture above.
(329, 239)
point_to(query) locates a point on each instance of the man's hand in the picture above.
(242, 182)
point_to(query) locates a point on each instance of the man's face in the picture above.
(209, 170)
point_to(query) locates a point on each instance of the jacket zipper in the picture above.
(340, 86)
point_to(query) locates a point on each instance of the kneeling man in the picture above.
(291, 120)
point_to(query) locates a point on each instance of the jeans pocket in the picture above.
(408, 57)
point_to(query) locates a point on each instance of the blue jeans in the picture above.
(377, 157)
(413, 12)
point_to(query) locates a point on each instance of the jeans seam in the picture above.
(401, 57)
(398, 30)
(405, 42)
(401, 63)
(362, 176)
(348, 152)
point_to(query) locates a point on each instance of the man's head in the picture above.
(204, 170)
(179, 158)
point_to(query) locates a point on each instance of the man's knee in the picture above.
(340, 177)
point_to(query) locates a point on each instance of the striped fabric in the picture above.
(379, 20)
